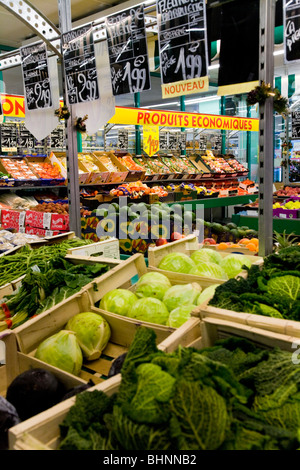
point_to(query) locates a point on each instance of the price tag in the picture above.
(151, 139)
(128, 53)
(163, 140)
(296, 125)
(26, 139)
(36, 80)
(182, 38)
(80, 65)
(9, 138)
(57, 138)
(122, 139)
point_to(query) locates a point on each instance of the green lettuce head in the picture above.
(212, 271)
(118, 301)
(182, 294)
(92, 333)
(178, 262)
(152, 285)
(207, 294)
(232, 264)
(61, 350)
(150, 310)
(206, 254)
(180, 315)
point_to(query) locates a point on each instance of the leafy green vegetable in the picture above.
(150, 310)
(183, 294)
(211, 270)
(152, 285)
(180, 315)
(119, 301)
(178, 262)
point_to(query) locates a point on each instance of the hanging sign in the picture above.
(182, 37)
(182, 141)
(9, 138)
(57, 138)
(80, 65)
(150, 140)
(163, 140)
(128, 52)
(26, 139)
(291, 30)
(296, 125)
(122, 143)
(34, 61)
(173, 141)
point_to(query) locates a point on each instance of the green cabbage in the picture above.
(178, 262)
(180, 315)
(212, 271)
(232, 264)
(118, 301)
(207, 294)
(152, 285)
(150, 310)
(92, 333)
(61, 350)
(183, 294)
(206, 254)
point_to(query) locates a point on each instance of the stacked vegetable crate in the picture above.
(43, 430)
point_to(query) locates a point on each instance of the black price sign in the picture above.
(163, 140)
(291, 32)
(9, 138)
(128, 52)
(80, 65)
(182, 140)
(296, 125)
(122, 139)
(36, 80)
(26, 139)
(173, 141)
(57, 138)
(182, 40)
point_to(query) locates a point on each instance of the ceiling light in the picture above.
(173, 103)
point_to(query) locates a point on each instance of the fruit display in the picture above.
(88, 161)
(55, 208)
(156, 166)
(137, 189)
(45, 170)
(185, 165)
(288, 191)
(237, 166)
(109, 165)
(129, 163)
(216, 164)
(18, 169)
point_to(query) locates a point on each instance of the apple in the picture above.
(176, 236)
(209, 241)
(161, 241)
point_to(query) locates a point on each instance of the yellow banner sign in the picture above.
(151, 139)
(147, 117)
(185, 87)
(13, 105)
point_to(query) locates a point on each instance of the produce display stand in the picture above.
(42, 431)
(279, 224)
(210, 203)
(187, 246)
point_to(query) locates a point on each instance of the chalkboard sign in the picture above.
(57, 138)
(128, 52)
(9, 138)
(182, 141)
(26, 139)
(291, 29)
(163, 140)
(36, 80)
(173, 141)
(80, 65)
(182, 40)
(122, 139)
(296, 125)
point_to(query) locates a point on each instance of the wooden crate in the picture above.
(276, 325)
(106, 248)
(187, 245)
(42, 431)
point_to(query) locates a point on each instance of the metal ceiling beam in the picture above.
(35, 20)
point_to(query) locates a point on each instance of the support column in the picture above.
(65, 24)
(266, 129)
(138, 149)
(223, 132)
(182, 108)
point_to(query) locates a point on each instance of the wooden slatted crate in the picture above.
(42, 431)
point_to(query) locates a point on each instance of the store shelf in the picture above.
(210, 203)
(279, 225)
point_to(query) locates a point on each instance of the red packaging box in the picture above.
(40, 232)
(59, 222)
(38, 219)
(12, 219)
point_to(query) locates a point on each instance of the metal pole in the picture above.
(65, 25)
(138, 149)
(223, 133)
(266, 129)
(182, 108)
(285, 157)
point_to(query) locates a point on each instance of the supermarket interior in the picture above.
(149, 226)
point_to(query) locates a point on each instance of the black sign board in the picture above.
(36, 80)
(128, 52)
(9, 137)
(122, 139)
(163, 140)
(291, 30)
(80, 65)
(57, 138)
(1, 109)
(182, 141)
(173, 141)
(26, 139)
(296, 125)
(182, 40)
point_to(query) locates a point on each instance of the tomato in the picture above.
(161, 241)
(176, 236)
(209, 241)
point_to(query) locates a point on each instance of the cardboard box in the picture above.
(114, 176)
(57, 159)
(95, 177)
(40, 232)
(12, 219)
(33, 160)
(286, 213)
(132, 175)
